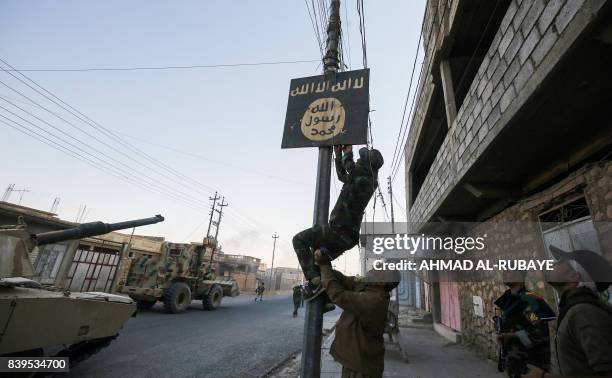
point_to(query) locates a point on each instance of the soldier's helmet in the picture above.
(371, 158)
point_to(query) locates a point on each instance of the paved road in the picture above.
(241, 339)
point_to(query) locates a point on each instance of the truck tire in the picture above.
(145, 305)
(213, 300)
(177, 297)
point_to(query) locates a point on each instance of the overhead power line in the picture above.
(157, 68)
(92, 159)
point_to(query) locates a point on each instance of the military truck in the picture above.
(35, 320)
(181, 273)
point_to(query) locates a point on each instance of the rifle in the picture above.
(501, 350)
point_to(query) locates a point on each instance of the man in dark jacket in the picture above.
(297, 299)
(360, 180)
(525, 336)
(583, 345)
(358, 343)
(259, 291)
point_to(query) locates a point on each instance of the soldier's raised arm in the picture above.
(340, 171)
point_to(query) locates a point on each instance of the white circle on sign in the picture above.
(323, 120)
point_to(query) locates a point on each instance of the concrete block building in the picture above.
(512, 123)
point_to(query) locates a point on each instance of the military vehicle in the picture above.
(35, 320)
(182, 272)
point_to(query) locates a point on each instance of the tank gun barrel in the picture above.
(91, 229)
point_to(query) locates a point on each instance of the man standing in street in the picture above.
(297, 299)
(259, 291)
(583, 342)
(359, 344)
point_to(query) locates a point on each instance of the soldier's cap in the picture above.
(371, 157)
(390, 277)
(597, 267)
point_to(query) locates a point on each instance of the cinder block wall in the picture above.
(533, 36)
(594, 180)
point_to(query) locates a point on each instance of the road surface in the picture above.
(243, 338)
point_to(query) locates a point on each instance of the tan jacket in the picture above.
(358, 344)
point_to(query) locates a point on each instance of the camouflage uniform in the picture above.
(358, 344)
(526, 315)
(259, 292)
(297, 299)
(360, 181)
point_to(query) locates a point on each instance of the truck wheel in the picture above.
(145, 305)
(213, 300)
(177, 297)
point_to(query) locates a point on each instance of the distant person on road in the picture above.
(359, 345)
(259, 291)
(583, 342)
(297, 299)
(360, 180)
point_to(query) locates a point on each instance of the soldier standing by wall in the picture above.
(525, 336)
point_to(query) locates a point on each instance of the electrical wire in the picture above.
(88, 121)
(92, 123)
(416, 54)
(420, 93)
(157, 68)
(89, 161)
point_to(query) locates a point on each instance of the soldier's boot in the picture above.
(313, 289)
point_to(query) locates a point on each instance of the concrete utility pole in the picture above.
(212, 211)
(272, 267)
(313, 323)
(221, 205)
(393, 231)
(391, 200)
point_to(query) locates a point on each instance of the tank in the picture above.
(180, 274)
(34, 320)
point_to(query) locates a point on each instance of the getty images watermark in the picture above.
(459, 251)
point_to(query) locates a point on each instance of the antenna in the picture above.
(56, 203)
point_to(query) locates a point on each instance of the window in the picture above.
(49, 261)
(569, 227)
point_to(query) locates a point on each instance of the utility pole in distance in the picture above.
(313, 323)
(272, 267)
(212, 211)
(397, 299)
(221, 205)
(391, 200)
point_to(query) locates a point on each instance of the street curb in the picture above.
(279, 366)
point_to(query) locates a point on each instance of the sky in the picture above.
(194, 130)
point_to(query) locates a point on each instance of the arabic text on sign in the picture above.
(323, 119)
(326, 86)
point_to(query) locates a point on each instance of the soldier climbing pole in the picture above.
(324, 111)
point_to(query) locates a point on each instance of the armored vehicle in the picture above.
(182, 272)
(34, 320)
